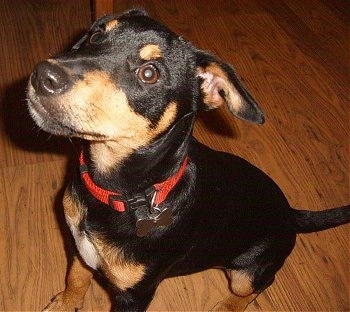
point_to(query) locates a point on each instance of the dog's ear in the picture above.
(220, 84)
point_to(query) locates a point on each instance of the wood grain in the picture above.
(293, 57)
(102, 7)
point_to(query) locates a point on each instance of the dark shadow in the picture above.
(18, 124)
(21, 129)
(216, 122)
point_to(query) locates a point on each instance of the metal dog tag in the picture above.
(146, 222)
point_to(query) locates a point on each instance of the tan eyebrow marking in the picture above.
(150, 52)
(111, 24)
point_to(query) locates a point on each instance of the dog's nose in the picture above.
(49, 79)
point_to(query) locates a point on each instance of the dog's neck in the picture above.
(146, 166)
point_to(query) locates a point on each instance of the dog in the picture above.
(149, 201)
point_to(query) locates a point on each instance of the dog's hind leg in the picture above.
(78, 282)
(253, 271)
(242, 292)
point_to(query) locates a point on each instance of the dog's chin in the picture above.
(54, 126)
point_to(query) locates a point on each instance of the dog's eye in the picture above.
(148, 74)
(96, 37)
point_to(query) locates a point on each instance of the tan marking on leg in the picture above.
(111, 24)
(241, 282)
(122, 272)
(78, 282)
(150, 52)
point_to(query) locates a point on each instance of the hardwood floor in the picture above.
(294, 58)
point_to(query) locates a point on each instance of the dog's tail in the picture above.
(314, 221)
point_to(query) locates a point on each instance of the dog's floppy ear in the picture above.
(220, 84)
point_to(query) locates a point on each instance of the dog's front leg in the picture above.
(78, 281)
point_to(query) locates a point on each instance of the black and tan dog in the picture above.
(149, 201)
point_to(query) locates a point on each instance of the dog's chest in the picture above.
(74, 212)
(85, 247)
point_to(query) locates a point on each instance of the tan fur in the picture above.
(111, 24)
(167, 118)
(72, 209)
(123, 273)
(109, 154)
(150, 52)
(241, 283)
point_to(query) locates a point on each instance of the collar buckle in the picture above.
(144, 200)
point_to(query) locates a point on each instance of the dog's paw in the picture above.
(64, 302)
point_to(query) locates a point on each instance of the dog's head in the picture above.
(128, 80)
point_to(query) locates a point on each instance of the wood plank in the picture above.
(102, 7)
(307, 40)
(33, 249)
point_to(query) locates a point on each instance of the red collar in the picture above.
(159, 191)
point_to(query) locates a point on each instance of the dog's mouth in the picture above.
(56, 122)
